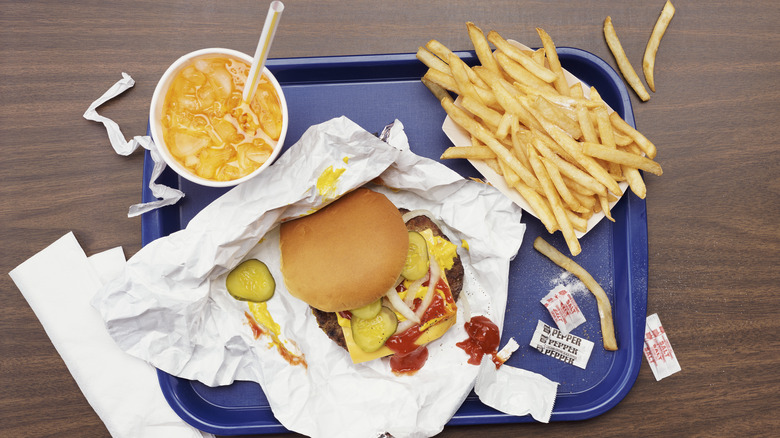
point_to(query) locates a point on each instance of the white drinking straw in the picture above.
(263, 47)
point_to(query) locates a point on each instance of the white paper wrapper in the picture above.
(170, 306)
(460, 137)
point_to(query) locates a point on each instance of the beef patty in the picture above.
(328, 321)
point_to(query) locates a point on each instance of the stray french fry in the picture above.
(622, 61)
(468, 152)
(648, 61)
(602, 300)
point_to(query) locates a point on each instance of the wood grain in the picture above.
(714, 233)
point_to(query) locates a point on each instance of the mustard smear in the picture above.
(326, 183)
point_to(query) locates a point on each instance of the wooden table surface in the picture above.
(714, 238)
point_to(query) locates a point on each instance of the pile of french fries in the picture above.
(559, 145)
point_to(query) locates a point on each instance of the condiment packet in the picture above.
(658, 350)
(165, 195)
(170, 307)
(563, 309)
(567, 348)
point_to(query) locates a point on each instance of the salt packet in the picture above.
(658, 350)
(563, 309)
(569, 348)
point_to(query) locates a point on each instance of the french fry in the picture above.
(634, 178)
(635, 181)
(570, 170)
(488, 115)
(648, 61)
(540, 206)
(520, 142)
(436, 89)
(593, 168)
(557, 99)
(629, 74)
(432, 61)
(538, 56)
(505, 125)
(604, 203)
(501, 91)
(560, 186)
(443, 53)
(555, 203)
(617, 156)
(579, 223)
(521, 58)
(557, 116)
(481, 47)
(459, 73)
(461, 118)
(468, 152)
(555, 64)
(520, 74)
(444, 80)
(510, 176)
(564, 153)
(602, 300)
(646, 145)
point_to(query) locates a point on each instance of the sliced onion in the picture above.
(404, 326)
(435, 275)
(413, 288)
(401, 307)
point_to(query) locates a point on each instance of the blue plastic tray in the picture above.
(374, 90)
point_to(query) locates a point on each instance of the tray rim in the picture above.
(153, 226)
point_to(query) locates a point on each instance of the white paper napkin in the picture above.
(59, 283)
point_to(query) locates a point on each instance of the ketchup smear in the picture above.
(483, 339)
(410, 357)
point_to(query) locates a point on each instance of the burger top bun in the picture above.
(346, 255)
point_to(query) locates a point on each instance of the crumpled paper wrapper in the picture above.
(170, 306)
(165, 195)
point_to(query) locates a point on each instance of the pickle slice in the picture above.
(368, 311)
(416, 265)
(371, 334)
(251, 281)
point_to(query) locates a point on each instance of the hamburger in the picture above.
(380, 281)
